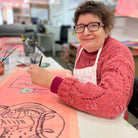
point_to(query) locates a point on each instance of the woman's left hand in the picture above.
(40, 76)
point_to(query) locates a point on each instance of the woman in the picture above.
(103, 75)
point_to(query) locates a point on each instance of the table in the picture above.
(95, 127)
(89, 126)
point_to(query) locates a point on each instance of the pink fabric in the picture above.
(127, 8)
(115, 78)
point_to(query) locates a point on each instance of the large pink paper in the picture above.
(27, 110)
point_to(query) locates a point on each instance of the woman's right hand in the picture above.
(40, 76)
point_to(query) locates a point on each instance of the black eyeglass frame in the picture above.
(99, 24)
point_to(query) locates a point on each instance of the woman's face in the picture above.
(91, 41)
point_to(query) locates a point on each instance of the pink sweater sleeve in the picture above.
(55, 84)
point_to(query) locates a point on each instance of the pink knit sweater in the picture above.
(115, 78)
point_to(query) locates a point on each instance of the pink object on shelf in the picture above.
(127, 8)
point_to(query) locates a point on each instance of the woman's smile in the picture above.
(88, 39)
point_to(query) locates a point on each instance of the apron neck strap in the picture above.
(97, 57)
(98, 54)
(78, 57)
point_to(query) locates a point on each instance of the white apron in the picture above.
(88, 74)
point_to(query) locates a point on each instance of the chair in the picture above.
(133, 105)
(63, 38)
(63, 35)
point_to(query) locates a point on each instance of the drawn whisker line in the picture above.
(9, 121)
(12, 122)
(18, 121)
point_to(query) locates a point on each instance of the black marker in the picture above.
(40, 61)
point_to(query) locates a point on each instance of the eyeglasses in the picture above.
(93, 26)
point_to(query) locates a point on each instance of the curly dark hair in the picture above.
(98, 9)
